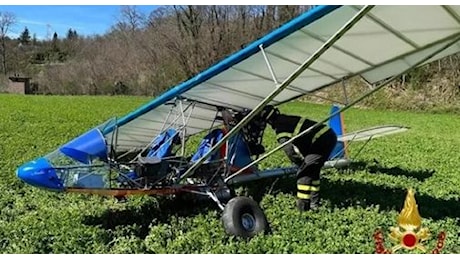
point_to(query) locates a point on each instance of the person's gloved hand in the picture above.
(292, 152)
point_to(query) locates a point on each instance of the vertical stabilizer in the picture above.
(336, 124)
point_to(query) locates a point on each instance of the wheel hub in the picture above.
(248, 221)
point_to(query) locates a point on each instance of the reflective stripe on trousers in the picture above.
(304, 191)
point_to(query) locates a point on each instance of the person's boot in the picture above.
(315, 201)
(303, 205)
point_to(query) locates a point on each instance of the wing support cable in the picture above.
(349, 143)
(357, 17)
(363, 146)
(375, 89)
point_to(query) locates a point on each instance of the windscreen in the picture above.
(75, 174)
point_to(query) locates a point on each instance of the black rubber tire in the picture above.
(243, 217)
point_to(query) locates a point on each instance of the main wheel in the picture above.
(243, 217)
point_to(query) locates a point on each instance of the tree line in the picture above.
(143, 54)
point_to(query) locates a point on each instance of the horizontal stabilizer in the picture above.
(371, 133)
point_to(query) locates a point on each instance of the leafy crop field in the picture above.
(357, 201)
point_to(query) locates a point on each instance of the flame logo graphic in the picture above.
(409, 233)
(409, 218)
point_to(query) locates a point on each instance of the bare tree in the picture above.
(7, 19)
(130, 18)
(190, 26)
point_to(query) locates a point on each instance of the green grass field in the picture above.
(356, 201)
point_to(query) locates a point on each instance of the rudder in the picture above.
(336, 123)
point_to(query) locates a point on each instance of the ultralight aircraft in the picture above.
(143, 153)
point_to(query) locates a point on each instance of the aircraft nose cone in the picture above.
(39, 173)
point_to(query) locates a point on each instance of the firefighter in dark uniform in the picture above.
(309, 152)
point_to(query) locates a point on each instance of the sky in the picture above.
(90, 18)
(44, 20)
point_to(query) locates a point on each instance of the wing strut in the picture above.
(376, 88)
(345, 92)
(269, 65)
(330, 42)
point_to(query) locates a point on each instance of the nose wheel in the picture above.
(243, 217)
